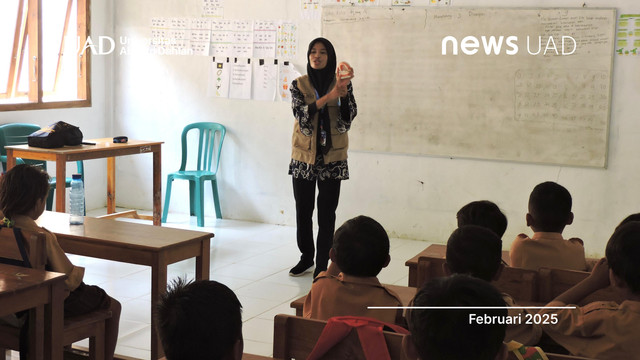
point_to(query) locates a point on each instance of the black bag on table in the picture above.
(55, 136)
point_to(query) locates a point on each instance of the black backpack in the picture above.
(55, 136)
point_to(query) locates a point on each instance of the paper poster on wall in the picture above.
(159, 34)
(240, 82)
(179, 40)
(200, 36)
(288, 73)
(265, 79)
(287, 46)
(337, 2)
(310, 9)
(221, 37)
(628, 35)
(213, 8)
(242, 38)
(219, 79)
(401, 3)
(264, 38)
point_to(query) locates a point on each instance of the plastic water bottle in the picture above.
(77, 200)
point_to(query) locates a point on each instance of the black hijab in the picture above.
(321, 79)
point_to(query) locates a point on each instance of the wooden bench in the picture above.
(294, 338)
(405, 293)
(553, 282)
(437, 251)
(521, 284)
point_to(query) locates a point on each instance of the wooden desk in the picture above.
(135, 244)
(22, 289)
(406, 294)
(104, 148)
(435, 250)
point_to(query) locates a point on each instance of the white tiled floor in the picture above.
(253, 259)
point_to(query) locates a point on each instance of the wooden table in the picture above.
(405, 293)
(104, 148)
(24, 288)
(135, 244)
(435, 250)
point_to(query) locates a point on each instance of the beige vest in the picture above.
(304, 147)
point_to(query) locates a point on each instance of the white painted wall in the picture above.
(94, 121)
(413, 197)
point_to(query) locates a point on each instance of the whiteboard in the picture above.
(531, 106)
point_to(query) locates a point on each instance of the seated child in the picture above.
(23, 196)
(200, 320)
(630, 218)
(483, 213)
(360, 250)
(449, 334)
(549, 212)
(604, 329)
(477, 251)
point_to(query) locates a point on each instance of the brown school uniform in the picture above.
(601, 330)
(56, 257)
(546, 249)
(526, 334)
(350, 295)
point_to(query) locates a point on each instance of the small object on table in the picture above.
(120, 139)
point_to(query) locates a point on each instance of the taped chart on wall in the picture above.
(264, 38)
(240, 79)
(265, 80)
(213, 8)
(288, 73)
(219, 78)
(628, 35)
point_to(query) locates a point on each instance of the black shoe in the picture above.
(301, 268)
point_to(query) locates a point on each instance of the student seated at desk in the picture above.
(483, 213)
(477, 251)
(603, 329)
(449, 334)
(360, 250)
(549, 212)
(23, 196)
(200, 320)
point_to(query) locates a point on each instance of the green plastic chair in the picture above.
(210, 138)
(16, 134)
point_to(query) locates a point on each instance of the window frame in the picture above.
(33, 26)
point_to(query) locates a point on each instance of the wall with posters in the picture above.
(155, 96)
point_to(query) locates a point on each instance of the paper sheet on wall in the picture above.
(213, 8)
(200, 36)
(221, 37)
(178, 29)
(242, 38)
(287, 40)
(628, 35)
(265, 80)
(288, 73)
(159, 34)
(264, 39)
(219, 79)
(310, 9)
(240, 82)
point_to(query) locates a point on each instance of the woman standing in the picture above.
(323, 107)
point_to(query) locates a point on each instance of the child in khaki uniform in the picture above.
(477, 251)
(350, 284)
(603, 330)
(549, 212)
